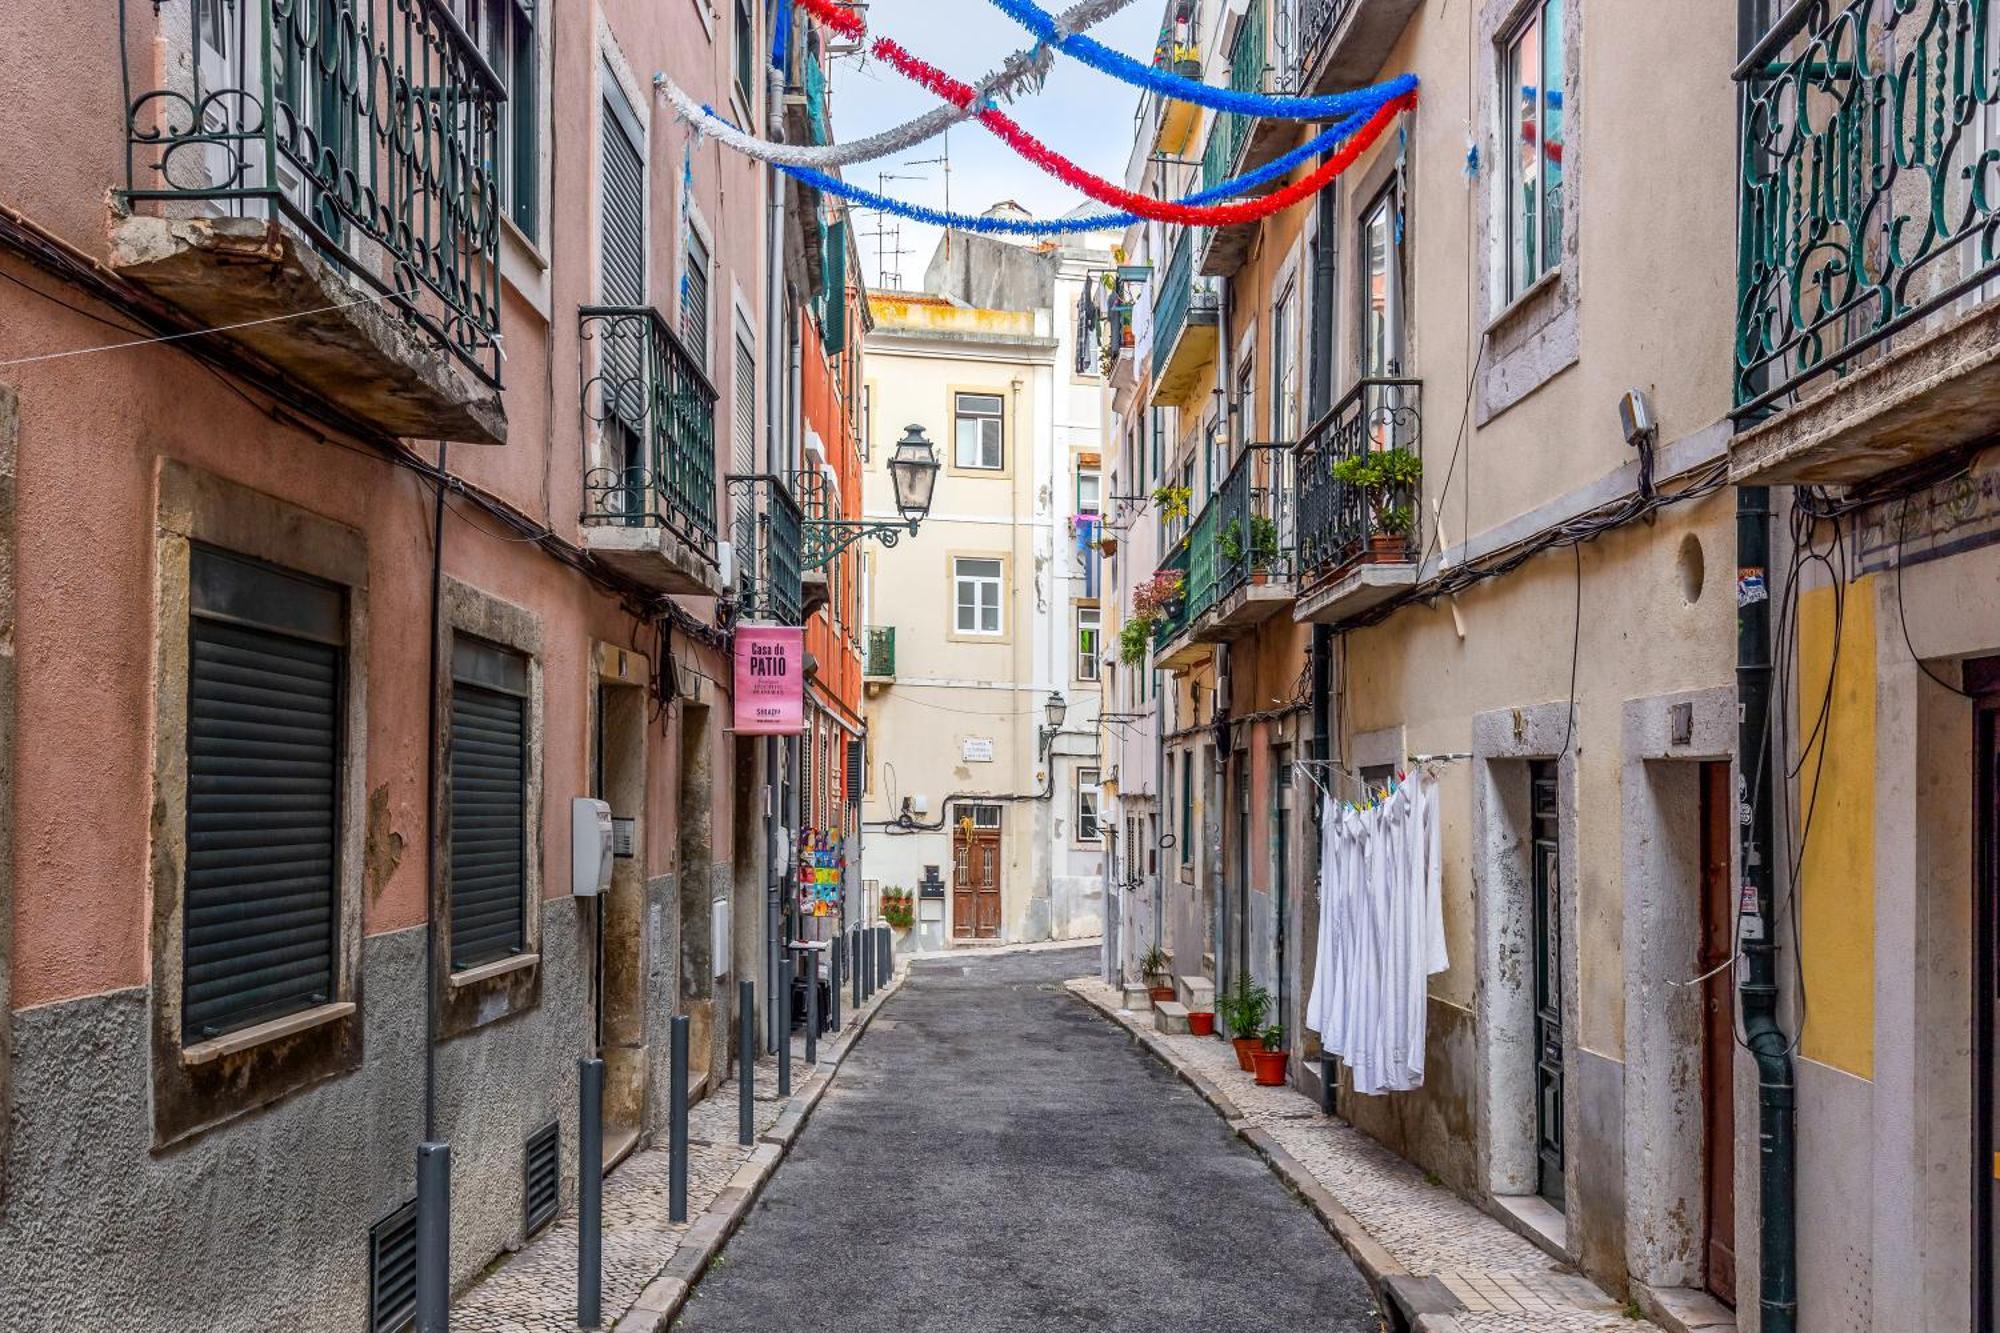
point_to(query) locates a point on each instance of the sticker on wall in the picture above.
(1750, 587)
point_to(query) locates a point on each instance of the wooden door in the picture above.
(1718, 1035)
(1546, 885)
(975, 882)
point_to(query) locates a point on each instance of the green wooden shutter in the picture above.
(835, 325)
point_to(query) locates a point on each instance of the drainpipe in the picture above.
(1319, 663)
(433, 1156)
(1757, 988)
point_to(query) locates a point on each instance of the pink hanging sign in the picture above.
(770, 680)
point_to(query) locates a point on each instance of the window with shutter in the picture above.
(266, 656)
(489, 793)
(622, 237)
(694, 300)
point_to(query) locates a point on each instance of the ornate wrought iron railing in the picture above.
(1230, 130)
(881, 652)
(653, 404)
(1254, 519)
(372, 126)
(1318, 20)
(1338, 521)
(770, 572)
(1184, 611)
(1178, 296)
(1870, 195)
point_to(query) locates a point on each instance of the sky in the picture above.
(1083, 114)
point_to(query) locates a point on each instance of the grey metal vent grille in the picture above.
(544, 1175)
(392, 1271)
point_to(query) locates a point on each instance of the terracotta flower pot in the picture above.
(1244, 1046)
(1269, 1068)
(1158, 993)
(1387, 548)
(1200, 1024)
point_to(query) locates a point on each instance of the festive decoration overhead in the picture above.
(1124, 68)
(1020, 69)
(1192, 210)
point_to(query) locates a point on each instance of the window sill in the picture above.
(500, 967)
(232, 1043)
(1534, 296)
(524, 267)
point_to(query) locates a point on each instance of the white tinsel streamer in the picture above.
(1021, 68)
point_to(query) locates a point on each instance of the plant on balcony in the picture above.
(1157, 597)
(1172, 500)
(1231, 541)
(1387, 480)
(1263, 542)
(1134, 638)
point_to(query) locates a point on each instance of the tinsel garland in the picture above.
(837, 17)
(1021, 68)
(1249, 210)
(1124, 68)
(1055, 164)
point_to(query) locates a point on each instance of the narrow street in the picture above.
(995, 1156)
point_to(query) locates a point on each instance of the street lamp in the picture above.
(913, 470)
(1056, 708)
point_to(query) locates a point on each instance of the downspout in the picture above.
(1319, 663)
(1757, 989)
(431, 783)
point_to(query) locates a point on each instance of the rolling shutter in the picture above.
(264, 748)
(489, 791)
(623, 225)
(694, 301)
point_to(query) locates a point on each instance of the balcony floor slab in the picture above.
(1356, 589)
(1245, 609)
(318, 328)
(654, 557)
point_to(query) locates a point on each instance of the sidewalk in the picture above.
(650, 1263)
(1448, 1266)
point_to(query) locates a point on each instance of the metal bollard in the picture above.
(677, 1131)
(785, 1026)
(867, 943)
(1328, 1077)
(433, 1237)
(886, 945)
(590, 1193)
(854, 963)
(833, 985)
(746, 1061)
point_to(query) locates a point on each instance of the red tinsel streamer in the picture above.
(837, 17)
(1097, 187)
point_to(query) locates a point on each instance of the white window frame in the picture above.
(978, 584)
(1530, 34)
(960, 416)
(1090, 660)
(1090, 790)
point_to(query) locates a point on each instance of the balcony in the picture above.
(1359, 542)
(1867, 334)
(1237, 558)
(1174, 648)
(1178, 121)
(768, 531)
(1344, 43)
(878, 663)
(649, 512)
(1239, 144)
(342, 226)
(1184, 328)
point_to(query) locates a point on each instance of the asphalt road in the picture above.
(996, 1157)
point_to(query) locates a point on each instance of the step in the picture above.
(1170, 1016)
(1136, 997)
(1197, 993)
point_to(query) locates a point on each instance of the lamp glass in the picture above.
(1058, 707)
(913, 470)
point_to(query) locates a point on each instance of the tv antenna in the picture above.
(944, 160)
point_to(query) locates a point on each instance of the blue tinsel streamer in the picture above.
(781, 38)
(1124, 68)
(1270, 171)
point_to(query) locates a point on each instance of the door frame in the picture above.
(1985, 1005)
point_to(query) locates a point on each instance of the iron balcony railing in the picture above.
(1178, 296)
(881, 652)
(656, 410)
(1339, 522)
(1870, 129)
(770, 530)
(1318, 21)
(1254, 510)
(372, 126)
(1181, 613)
(1246, 75)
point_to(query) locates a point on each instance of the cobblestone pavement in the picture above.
(534, 1290)
(1506, 1283)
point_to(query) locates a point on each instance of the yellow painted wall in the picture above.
(1837, 879)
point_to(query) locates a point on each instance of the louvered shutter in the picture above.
(264, 746)
(855, 775)
(623, 223)
(835, 322)
(694, 301)
(489, 792)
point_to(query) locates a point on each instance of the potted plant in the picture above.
(1158, 596)
(1387, 480)
(1269, 1059)
(1243, 1011)
(1135, 637)
(1160, 986)
(1172, 500)
(1231, 541)
(1201, 1023)
(1263, 546)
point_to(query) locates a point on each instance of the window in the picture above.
(1284, 370)
(694, 300)
(1089, 645)
(622, 224)
(1087, 796)
(1246, 408)
(1382, 288)
(982, 816)
(977, 596)
(488, 759)
(265, 702)
(1533, 93)
(1187, 808)
(976, 430)
(746, 52)
(1089, 494)
(867, 419)
(504, 32)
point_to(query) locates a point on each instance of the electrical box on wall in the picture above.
(718, 938)
(590, 847)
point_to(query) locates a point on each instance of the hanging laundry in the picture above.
(1381, 933)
